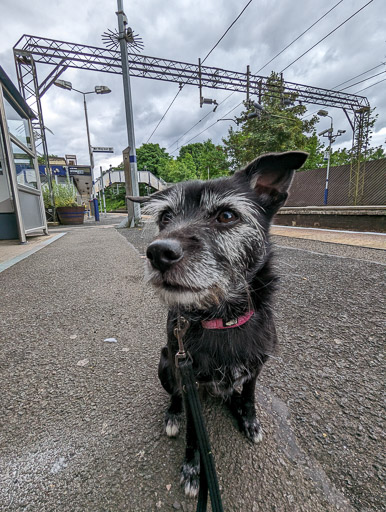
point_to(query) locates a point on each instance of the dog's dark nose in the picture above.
(164, 253)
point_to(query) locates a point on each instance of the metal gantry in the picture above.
(30, 50)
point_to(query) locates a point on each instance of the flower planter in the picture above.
(71, 214)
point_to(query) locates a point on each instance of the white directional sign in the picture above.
(102, 149)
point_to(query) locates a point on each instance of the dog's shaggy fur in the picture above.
(212, 260)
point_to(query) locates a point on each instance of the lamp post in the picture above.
(331, 137)
(99, 89)
(130, 156)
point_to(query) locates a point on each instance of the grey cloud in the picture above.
(184, 30)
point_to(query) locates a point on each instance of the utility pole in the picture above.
(331, 138)
(89, 147)
(103, 205)
(132, 179)
(129, 191)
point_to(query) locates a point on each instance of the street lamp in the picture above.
(99, 89)
(331, 137)
(227, 119)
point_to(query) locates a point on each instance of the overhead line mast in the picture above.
(30, 50)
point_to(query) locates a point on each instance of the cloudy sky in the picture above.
(185, 30)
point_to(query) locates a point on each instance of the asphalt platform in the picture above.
(81, 418)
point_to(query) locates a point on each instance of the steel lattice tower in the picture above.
(30, 50)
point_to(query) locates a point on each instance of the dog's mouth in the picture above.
(174, 287)
(174, 291)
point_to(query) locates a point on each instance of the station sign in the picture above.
(80, 170)
(102, 149)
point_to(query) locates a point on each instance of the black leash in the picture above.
(208, 475)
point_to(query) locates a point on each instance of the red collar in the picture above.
(218, 323)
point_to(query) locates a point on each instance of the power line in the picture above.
(199, 121)
(229, 95)
(190, 129)
(325, 37)
(357, 76)
(166, 111)
(227, 30)
(361, 81)
(207, 128)
(371, 85)
(349, 80)
(302, 34)
(207, 55)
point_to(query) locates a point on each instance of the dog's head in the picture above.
(213, 234)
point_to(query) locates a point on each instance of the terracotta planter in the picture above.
(71, 214)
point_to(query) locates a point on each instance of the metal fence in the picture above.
(307, 188)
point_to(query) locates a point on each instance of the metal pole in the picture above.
(328, 163)
(122, 22)
(103, 192)
(89, 146)
(126, 167)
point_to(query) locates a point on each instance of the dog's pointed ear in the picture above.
(270, 175)
(138, 199)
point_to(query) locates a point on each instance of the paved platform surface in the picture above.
(13, 249)
(371, 240)
(81, 419)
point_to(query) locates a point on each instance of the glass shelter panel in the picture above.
(6, 204)
(25, 169)
(18, 126)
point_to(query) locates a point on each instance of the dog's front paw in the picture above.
(172, 425)
(190, 478)
(252, 430)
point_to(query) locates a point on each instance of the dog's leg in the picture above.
(173, 416)
(173, 413)
(190, 471)
(242, 406)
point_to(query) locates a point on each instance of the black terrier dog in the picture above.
(211, 263)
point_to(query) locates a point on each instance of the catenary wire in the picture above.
(372, 85)
(207, 128)
(360, 74)
(325, 37)
(361, 81)
(163, 117)
(229, 95)
(207, 55)
(225, 33)
(199, 121)
(352, 78)
(302, 34)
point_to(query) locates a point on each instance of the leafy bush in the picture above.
(64, 195)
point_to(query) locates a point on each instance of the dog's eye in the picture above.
(165, 218)
(226, 217)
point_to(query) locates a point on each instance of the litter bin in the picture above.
(94, 208)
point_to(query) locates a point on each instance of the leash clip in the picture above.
(179, 332)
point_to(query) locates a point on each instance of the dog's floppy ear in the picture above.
(270, 175)
(138, 199)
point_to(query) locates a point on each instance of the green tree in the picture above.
(278, 127)
(42, 160)
(376, 153)
(182, 169)
(152, 158)
(208, 159)
(339, 157)
(315, 148)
